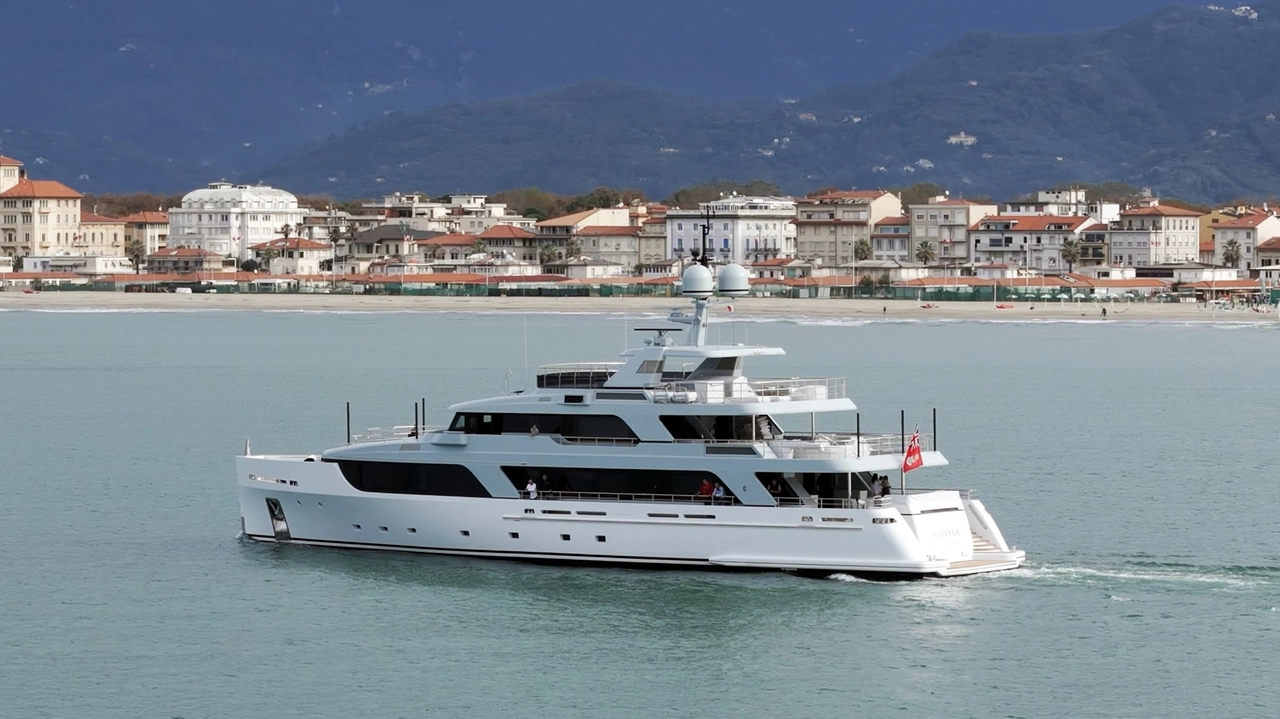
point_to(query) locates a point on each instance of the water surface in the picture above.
(1134, 462)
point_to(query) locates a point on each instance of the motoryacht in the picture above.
(673, 456)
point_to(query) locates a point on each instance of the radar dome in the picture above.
(733, 280)
(696, 282)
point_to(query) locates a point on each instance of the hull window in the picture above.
(442, 480)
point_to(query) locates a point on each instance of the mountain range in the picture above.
(352, 100)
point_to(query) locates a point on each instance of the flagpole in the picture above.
(902, 468)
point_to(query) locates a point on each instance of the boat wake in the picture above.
(1152, 573)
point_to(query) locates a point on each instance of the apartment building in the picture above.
(1248, 232)
(618, 245)
(470, 214)
(37, 217)
(1072, 202)
(891, 239)
(1033, 241)
(829, 226)
(1155, 234)
(741, 229)
(151, 228)
(227, 219)
(944, 223)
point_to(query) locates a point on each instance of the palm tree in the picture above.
(573, 248)
(299, 228)
(286, 230)
(925, 253)
(862, 249)
(1070, 253)
(546, 253)
(1231, 253)
(479, 247)
(136, 250)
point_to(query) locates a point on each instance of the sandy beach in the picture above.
(770, 306)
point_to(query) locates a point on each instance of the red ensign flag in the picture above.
(912, 459)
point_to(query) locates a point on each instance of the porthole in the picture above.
(599, 537)
(465, 533)
(564, 537)
(514, 535)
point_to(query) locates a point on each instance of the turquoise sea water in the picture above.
(1134, 462)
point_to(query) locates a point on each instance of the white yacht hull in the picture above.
(933, 534)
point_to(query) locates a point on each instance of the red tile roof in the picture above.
(894, 221)
(290, 243)
(9, 161)
(1271, 245)
(44, 189)
(88, 218)
(1223, 285)
(529, 278)
(1162, 210)
(1208, 246)
(608, 231)
(1036, 223)
(505, 232)
(1245, 221)
(149, 217)
(183, 252)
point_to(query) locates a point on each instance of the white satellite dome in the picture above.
(696, 282)
(733, 280)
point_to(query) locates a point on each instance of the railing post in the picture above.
(935, 429)
(348, 423)
(903, 432)
(857, 418)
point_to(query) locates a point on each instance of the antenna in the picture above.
(708, 215)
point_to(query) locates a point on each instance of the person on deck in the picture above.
(877, 486)
(706, 490)
(532, 488)
(718, 493)
(775, 487)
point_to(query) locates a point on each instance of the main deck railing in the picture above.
(793, 445)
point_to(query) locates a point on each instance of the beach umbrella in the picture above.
(1063, 296)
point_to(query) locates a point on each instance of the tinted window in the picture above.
(595, 426)
(615, 481)
(445, 480)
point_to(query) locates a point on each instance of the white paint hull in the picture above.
(919, 535)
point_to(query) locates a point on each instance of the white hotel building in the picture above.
(743, 229)
(228, 219)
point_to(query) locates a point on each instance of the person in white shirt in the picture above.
(717, 493)
(532, 488)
